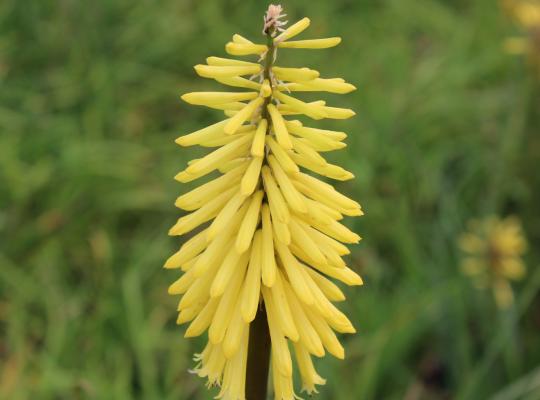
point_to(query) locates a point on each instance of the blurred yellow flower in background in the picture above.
(493, 250)
(527, 15)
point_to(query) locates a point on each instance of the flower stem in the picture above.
(258, 362)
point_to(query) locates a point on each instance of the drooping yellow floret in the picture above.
(267, 232)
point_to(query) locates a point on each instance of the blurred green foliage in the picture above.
(446, 130)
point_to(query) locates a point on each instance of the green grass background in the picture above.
(446, 130)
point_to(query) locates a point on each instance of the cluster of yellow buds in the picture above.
(493, 249)
(271, 236)
(527, 15)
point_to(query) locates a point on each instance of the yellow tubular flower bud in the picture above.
(233, 260)
(291, 195)
(210, 132)
(188, 251)
(310, 377)
(313, 133)
(251, 177)
(257, 147)
(219, 61)
(295, 74)
(238, 81)
(181, 285)
(251, 219)
(319, 84)
(311, 44)
(203, 320)
(189, 314)
(294, 274)
(280, 130)
(240, 39)
(252, 285)
(280, 349)
(203, 214)
(307, 152)
(211, 161)
(302, 239)
(213, 71)
(268, 259)
(282, 156)
(198, 196)
(244, 49)
(311, 111)
(277, 300)
(281, 230)
(205, 98)
(293, 30)
(240, 117)
(308, 335)
(330, 289)
(266, 89)
(275, 198)
(328, 338)
(224, 311)
(337, 113)
(268, 236)
(225, 215)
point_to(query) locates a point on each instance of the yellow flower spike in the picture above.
(492, 255)
(268, 235)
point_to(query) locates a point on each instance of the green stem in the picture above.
(258, 362)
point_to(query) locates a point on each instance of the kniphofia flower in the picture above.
(493, 250)
(527, 15)
(269, 236)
